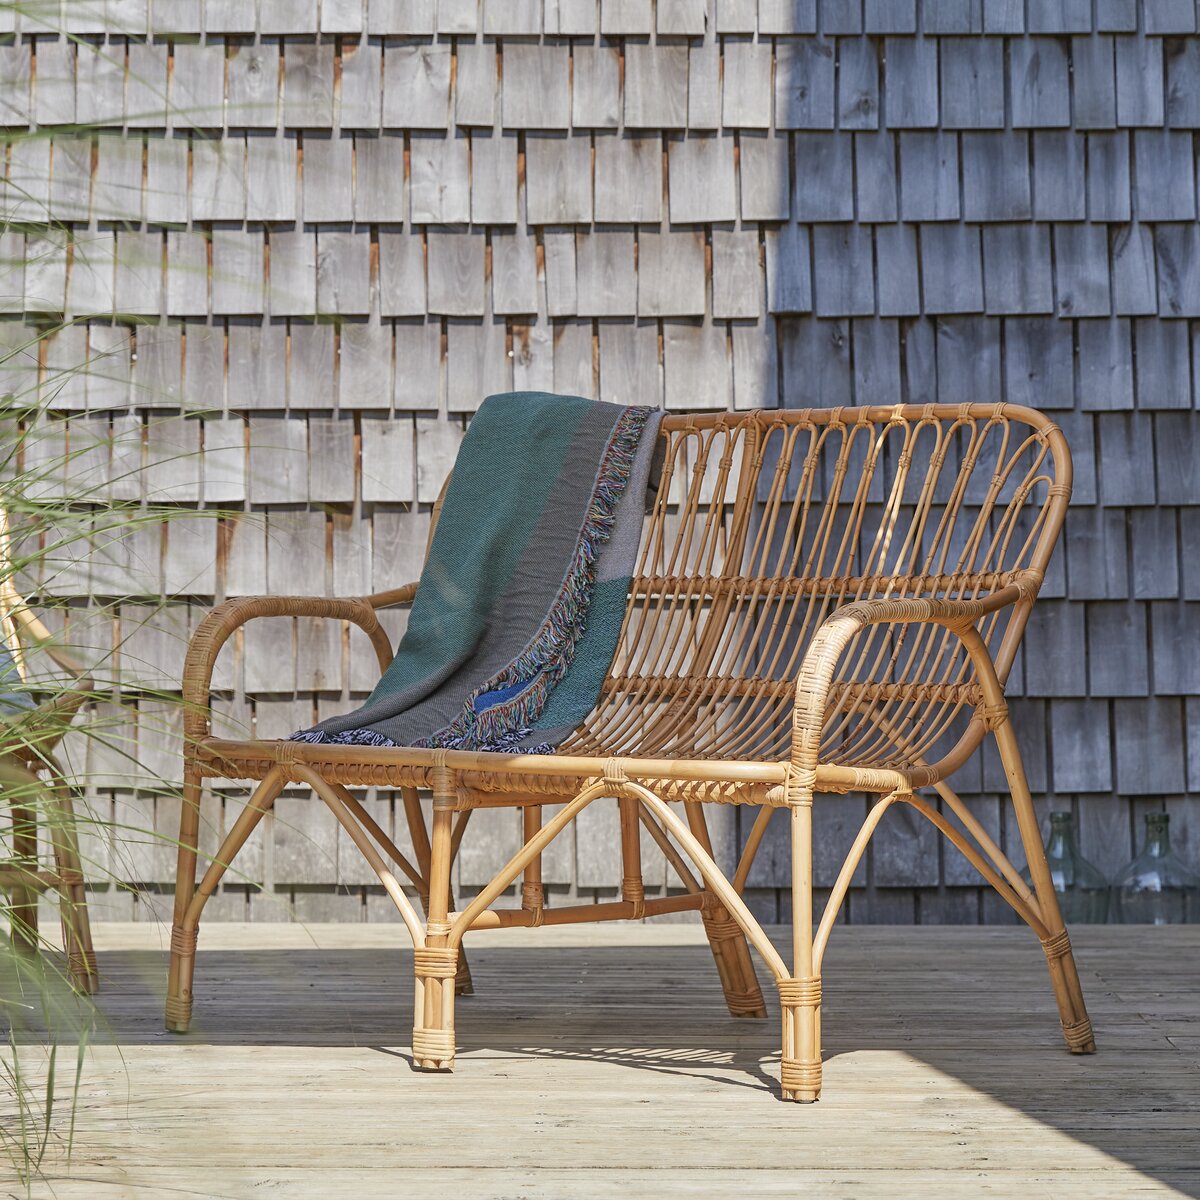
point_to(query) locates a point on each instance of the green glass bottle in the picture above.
(1082, 889)
(1157, 888)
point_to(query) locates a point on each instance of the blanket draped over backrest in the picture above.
(522, 597)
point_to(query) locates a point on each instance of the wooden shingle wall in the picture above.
(304, 240)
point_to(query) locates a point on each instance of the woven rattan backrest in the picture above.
(767, 522)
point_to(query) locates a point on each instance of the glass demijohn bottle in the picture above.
(1157, 888)
(1082, 889)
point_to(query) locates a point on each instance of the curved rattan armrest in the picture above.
(222, 621)
(821, 659)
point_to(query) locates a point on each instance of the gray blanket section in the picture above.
(520, 606)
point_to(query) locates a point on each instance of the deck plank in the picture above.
(598, 1061)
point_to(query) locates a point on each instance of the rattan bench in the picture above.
(826, 601)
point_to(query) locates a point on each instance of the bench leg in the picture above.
(731, 952)
(1064, 978)
(728, 943)
(24, 899)
(76, 928)
(435, 965)
(800, 996)
(464, 985)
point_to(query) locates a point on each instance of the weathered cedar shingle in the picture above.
(789, 274)
(629, 178)
(237, 271)
(1108, 176)
(493, 178)
(308, 85)
(995, 169)
(824, 186)
(558, 184)
(1060, 16)
(198, 85)
(696, 367)
(700, 179)
(952, 275)
(1093, 74)
(972, 79)
(704, 85)
(343, 273)
(841, 17)
(787, 16)
(1004, 16)
(365, 365)
(596, 87)
(943, 17)
(1165, 174)
(15, 75)
(816, 363)
(310, 366)
(1139, 81)
(876, 361)
(418, 383)
(629, 365)
(536, 88)
(328, 178)
(1134, 278)
(737, 278)
(270, 178)
(737, 16)
(1176, 627)
(455, 273)
(1039, 364)
(875, 175)
(804, 84)
(1081, 270)
(1059, 192)
(439, 189)
(843, 272)
(1082, 754)
(218, 184)
(1163, 378)
(1125, 459)
(1149, 750)
(562, 294)
(968, 360)
(929, 176)
(475, 84)
(166, 180)
(763, 176)
(626, 16)
(514, 273)
(362, 84)
(1105, 365)
(1016, 263)
(416, 86)
(293, 280)
(1038, 75)
(1177, 446)
(670, 273)
(477, 363)
(1183, 83)
(1170, 16)
(378, 178)
(655, 86)
(607, 282)
(1153, 566)
(899, 276)
(139, 273)
(1177, 251)
(746, 96)
(401, 275)
(890, 16)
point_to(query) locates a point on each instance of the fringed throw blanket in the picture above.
(521, 600)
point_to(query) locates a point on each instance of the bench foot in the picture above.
(436, 970)
(800, 1070)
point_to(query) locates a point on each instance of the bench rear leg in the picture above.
(1072, 1012)
(728, 943)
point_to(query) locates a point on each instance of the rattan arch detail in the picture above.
(825, 601)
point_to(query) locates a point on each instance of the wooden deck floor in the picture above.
(599, 1062)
